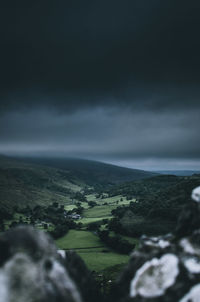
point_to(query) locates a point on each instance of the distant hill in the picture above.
(161, 187)
(179, 172)
(23, 184)
(93, 172)
(42, 181)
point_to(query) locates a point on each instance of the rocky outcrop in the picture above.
(166, 268)
(32, 270)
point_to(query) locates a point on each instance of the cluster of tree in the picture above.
(54, 214)
(115, 225)
(116, 242)
(144, 187)
(5, 213)
(79, 196)
(78, 210)
(61, 229)
(92, 203)
(95, 226)
(158, 206)
(87, 190)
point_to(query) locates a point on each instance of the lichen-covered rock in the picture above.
(167, 268)
(156, 243)
(31, 270)
(192, 264)
(155, 276)
(196, 194)
(189, 221)
(193, 295)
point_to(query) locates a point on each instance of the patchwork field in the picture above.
(95, 254)
(91, 249)
(87, 244)
(104, 206)
(111, 200)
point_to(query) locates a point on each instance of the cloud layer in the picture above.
(110, 80)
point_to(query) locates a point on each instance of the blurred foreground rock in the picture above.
(31, 270)
(167, 268)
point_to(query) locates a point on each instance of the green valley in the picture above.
(101, 220)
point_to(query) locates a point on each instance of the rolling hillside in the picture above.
(167, 185)
(43, 181)
(93, 172)
(159, 201)
(24, 184)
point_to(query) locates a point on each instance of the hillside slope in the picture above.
(159, 202)
(42, 181)
(93, 172)
(23, 184)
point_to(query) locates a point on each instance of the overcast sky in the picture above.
(115, 81)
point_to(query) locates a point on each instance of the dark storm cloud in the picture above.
(109, 80)
(75, 53)
(105, 134)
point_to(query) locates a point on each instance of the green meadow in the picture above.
(98, 260)
(76, 239)
(95, 254)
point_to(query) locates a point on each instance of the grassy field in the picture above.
(98, 211)
(100, 260)
(71, 206)
(102, 210)
(96, 256)
(110, 200)
(75, 239)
